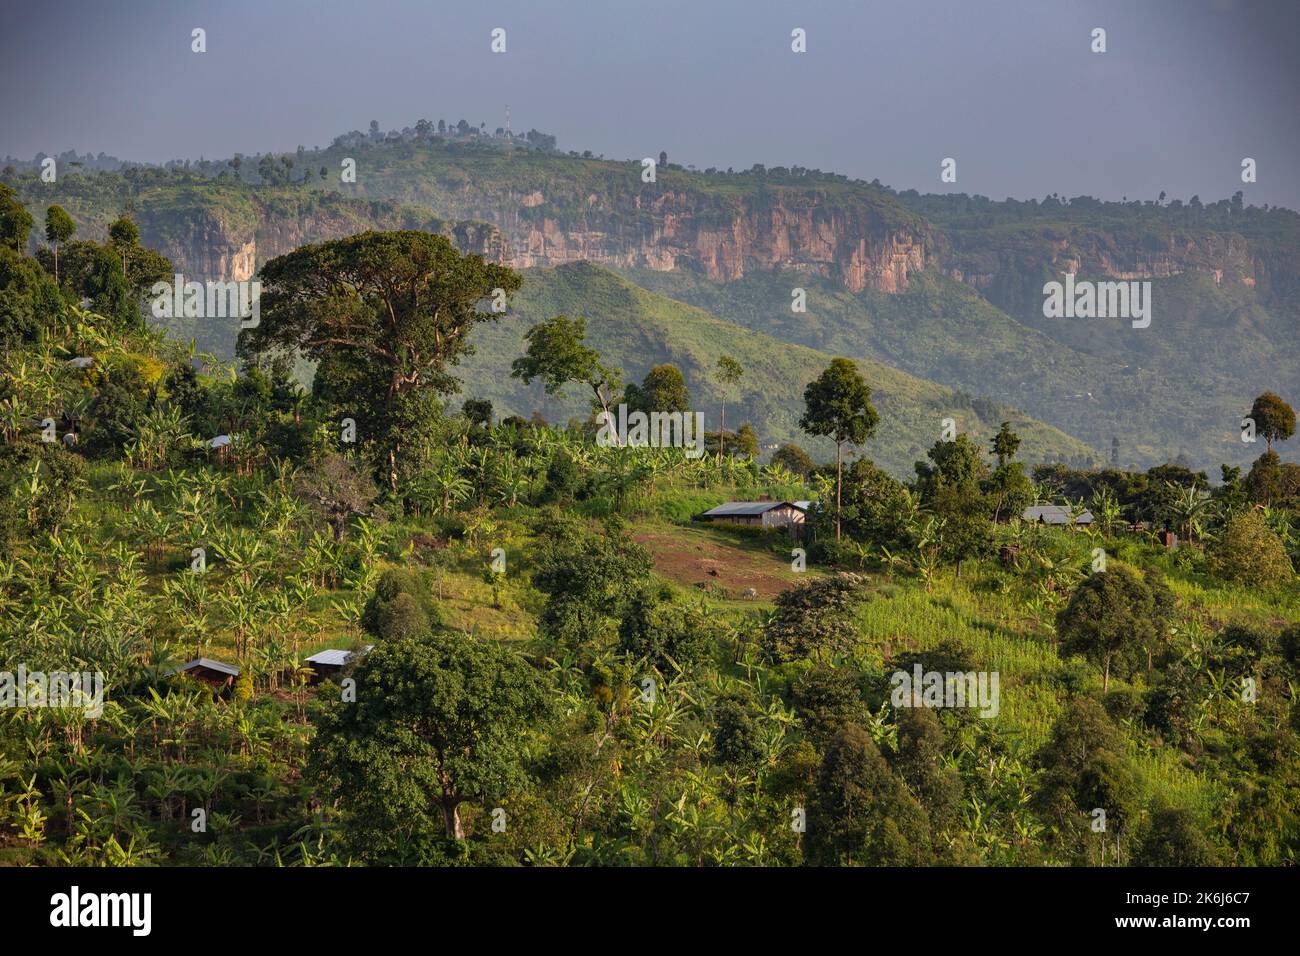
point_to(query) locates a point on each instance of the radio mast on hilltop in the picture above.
(510, 137)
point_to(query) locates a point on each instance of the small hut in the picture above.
(212, 673)
(329, 664)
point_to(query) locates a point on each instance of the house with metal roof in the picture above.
(1057, 515)
(764, 514)
(331, 662)
(209, 671)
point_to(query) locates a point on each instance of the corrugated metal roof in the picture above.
(1056, 514)
(230, 669)
(330, 658)
(741, 508)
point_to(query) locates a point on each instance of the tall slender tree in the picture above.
(838, 406)
(59, 228)
(729, 373)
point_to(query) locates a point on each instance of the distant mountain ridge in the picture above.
(948, 287)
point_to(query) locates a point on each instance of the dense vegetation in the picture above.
(554, 677)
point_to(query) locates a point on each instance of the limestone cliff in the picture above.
(231, 242)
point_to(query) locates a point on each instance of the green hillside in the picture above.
(1097, 379)
(636, 329)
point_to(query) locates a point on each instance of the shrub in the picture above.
(1248, 552)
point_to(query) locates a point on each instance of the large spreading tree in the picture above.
(397, 305)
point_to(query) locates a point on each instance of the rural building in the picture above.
(210, 672)
(762, 514)
(1058, 515)
(328, 664)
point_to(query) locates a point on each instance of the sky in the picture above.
(887, 89)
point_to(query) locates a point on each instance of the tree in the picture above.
(1274, 418)
(838, 405)
(1005, 443)
(1249, 552)
(794, 459)
(1085, 767)
(337, 488)
(826, 699)
(27, 295)
(814, 617)
(1010, 490)
(738, 737)
(15, 221)
(59, 228)
(951, 486)
(405, 302)
(746, 441)
(589, 581)
(92, 271)
(1174, 838)
(662, 390)
(557, 355)
(667, 634)
(123, 233)
(728, 372)
(878, 508)
(860, 813)
(920, 763)
(1112, 615)
(478, 412)
(437, 720)
(400, 607)
(141, 266)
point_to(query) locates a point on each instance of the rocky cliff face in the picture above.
(209, 242)
(855, 236)
(798, 231)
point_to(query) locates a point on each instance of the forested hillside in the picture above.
(548, 656)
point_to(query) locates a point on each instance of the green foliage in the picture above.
(1115, 617)
(861, 813)
(15, 221)
(1274, 418)
(1085, 769)
(589, 580)
(815, 618)
(438, 720)
(1249, 552)
(401, 607)
(793, 458)
(662, 390)
(761, 703)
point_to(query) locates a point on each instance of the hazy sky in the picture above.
(887, 89)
